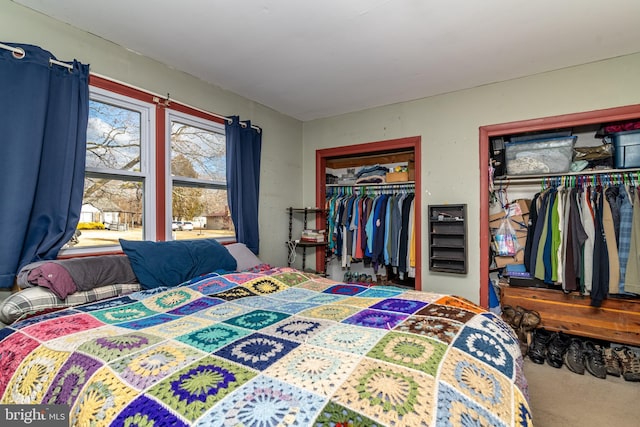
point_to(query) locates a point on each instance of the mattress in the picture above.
(274, 348)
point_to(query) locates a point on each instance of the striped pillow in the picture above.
(35, 300)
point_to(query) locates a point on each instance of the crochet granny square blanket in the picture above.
(275, 348)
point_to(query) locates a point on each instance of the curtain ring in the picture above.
(18, 53)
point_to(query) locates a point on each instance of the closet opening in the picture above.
(402, 151)
(579, 123)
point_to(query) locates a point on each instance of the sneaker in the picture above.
(612, 362)
(557, 348)
(629, 362)
(574, 356)
(594, 360)
(538, 348)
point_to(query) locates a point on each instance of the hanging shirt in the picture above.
(358, 252)
(533, 216)
(556, 235)
(387, 231)
(566, 276)
(538, 234)
(600, 285)
(624, 239)
(369, 228)
(608, 226)
(588, 223)
(396, 226)
(565, 251)
(543, 260)
(575, 242)
(411, 267)
(404, 234)
(377, 256)
(632, 277)
(612, 194)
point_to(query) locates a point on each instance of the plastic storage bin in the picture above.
(551, 155)
(626, 149)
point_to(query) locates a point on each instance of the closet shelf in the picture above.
(291, 243)
(307, 210)
(448, 258)
(302, 244)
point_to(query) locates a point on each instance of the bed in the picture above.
(269, 347)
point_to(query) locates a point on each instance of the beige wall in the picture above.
(448, 125)
(282, 136)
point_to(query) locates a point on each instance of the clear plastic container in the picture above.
(551, 155)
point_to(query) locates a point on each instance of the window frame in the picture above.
(155, 155)
(195, 121)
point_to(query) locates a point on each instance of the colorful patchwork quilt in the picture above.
(275, 348)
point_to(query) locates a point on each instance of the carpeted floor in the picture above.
(560, 398)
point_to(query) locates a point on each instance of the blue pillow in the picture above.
(171, 263)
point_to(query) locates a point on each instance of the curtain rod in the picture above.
(19, 53)
(258, 128)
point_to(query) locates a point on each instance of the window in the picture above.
(199, 207)
(124, 193)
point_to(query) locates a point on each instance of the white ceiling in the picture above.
(318, 58)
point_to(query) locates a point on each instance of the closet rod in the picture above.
(381, 184)
(364, 188)
(588, 175)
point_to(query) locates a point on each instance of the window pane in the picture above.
(111, 210)
(113, 137)
(197, 153)
(200, 213)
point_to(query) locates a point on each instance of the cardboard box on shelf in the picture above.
(518, 211)
(519, 207)
(397, 176)
(503, 261)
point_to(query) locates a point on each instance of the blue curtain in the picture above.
(244, 145)
(43, 120)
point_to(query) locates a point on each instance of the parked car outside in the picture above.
(176, 225)
(187, 226)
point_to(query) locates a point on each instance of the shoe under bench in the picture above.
(616, 320)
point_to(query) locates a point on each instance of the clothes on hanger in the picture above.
(372, 225)
(585, 239)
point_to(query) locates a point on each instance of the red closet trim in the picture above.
(413, 143)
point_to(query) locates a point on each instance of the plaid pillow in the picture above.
(38, 299)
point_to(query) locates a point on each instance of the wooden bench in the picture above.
(617, 320)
